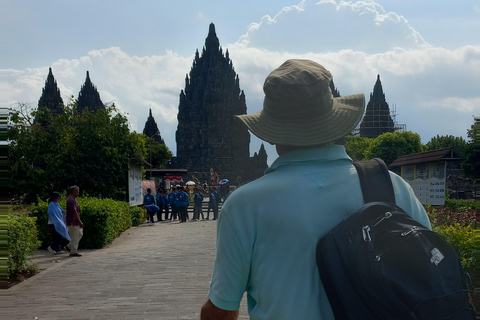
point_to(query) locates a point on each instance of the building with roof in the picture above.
(432, 173)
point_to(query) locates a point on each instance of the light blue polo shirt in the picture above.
(266, 234)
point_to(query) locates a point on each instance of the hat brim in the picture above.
(345, 116)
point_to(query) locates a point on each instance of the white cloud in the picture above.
(331, 26)
(460, 104)
(435, 90)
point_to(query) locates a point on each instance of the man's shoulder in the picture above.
(251, 190)
(71, 200)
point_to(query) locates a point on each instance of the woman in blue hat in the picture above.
(57, 223)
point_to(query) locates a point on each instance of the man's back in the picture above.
(148, 199)
(267, 242)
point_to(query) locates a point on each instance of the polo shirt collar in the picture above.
(323, 154)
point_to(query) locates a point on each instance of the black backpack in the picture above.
(380, 264)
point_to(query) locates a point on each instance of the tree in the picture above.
(35, 154)
(356, 147)
(160, 155)
(89, 149)
(101, 146)
(471, 165)
(440, 142)
(389, 146)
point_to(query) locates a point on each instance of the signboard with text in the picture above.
(427, 181)
(135, 184)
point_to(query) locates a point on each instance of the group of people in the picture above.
(65, 225)
(173, 205)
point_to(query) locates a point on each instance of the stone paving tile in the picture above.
(159, 272)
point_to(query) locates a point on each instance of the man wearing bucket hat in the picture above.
(266, 245)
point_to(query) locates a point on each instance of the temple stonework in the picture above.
(377, 119)
(208, 134)
(151, 129)
(51, 99)
(89, 98)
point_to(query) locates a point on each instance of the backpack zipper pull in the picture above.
(406, 233)
(366, 233)
(387, 215)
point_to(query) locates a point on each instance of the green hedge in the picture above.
(454, 203)
(462, 238)
(103, 219)
(138, 215)
(21, 243)
(456, 225)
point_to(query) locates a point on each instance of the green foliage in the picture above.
(471, 165)
(90, 150)
(103, 219)
(457, 227)
(158, 153)
(39, 212)
(138, 215)
(356, 147)
(21, 243)
(447, 216)
(389, 146)
(457, 203)
(440, 142)
(462, 238)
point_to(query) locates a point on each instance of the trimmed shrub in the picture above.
(103, 219)
(462, 238)
(39, 212)
(138, 215)
(455, 203)
(457, 227)
(21, 243)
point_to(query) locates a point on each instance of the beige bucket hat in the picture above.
(299, 108)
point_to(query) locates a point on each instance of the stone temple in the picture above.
(208, 134)
(377, 119)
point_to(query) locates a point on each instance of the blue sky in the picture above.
(427, 52)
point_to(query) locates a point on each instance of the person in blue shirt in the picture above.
(212, 203)
(151, 209)
(182, 204)
(198, 202)
(160, 203)
(58, 225)
(265, 244)
(166, 205)
(172, 199)
(148, 198)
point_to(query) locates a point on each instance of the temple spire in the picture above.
(377, 119)
(51, 99)
(151, 129)
(89, 98)
(211, 42)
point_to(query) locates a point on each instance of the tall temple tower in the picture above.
(89, 98)
(377, 119)
(51, 98)
(151, 129)
(208, 135)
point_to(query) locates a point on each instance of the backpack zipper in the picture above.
(374, 223)
(404, 236)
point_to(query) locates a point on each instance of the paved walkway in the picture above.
(160, 272)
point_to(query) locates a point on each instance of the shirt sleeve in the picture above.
(231, 269)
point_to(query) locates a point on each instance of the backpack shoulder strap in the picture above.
(375, 181)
